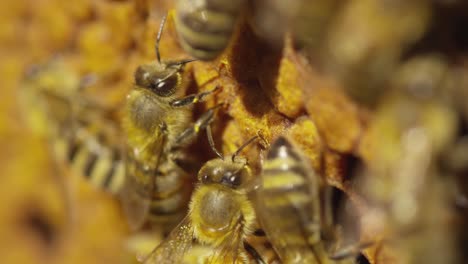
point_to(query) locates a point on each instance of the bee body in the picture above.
(218, 207)
(81, 132)
(292, 207)
(152, 127)
(220, 216)
(158, 127)
(288, 190)
(214, 212)
(205, 26)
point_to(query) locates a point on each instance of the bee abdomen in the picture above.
(101, 166)
(205, 30)
(168, 190)
(284, 179)
(288, 189)
(170, 208)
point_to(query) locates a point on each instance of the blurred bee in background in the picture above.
(206, 26)
(294, 208)
(158, 126)
(305, 20)
(410, 201)
(46, 88)
(368, 38)
(82, 133)
(220, 214)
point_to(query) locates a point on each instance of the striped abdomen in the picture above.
(166, 189)
(170, 199)
(100, 164)
(205, 27)
(289, 204)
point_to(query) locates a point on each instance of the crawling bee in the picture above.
(157, 126)
(205, 27)
(220, 215)
(294, 208)
(82, 133)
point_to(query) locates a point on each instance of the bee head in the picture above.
(225, 172)
(163, 81)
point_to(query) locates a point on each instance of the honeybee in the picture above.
(205, 26)
(157, 126)
(293, 207)
(81, 132)
(220, 214)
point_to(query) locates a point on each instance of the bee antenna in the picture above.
(158, 38)
(180, 63)
(252, 139)
(211, 142)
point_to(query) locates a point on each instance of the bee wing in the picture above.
(136, 199)
(231, 249)
(175, 246)
(135, 206)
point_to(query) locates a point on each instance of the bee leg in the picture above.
(253, 252)
(193, 98)
(201, 123)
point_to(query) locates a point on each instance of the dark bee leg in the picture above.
(201, 123)
(253, 252)
(193, 98)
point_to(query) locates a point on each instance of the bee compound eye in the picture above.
(164, 87)
(235, 180)
(232, 179)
